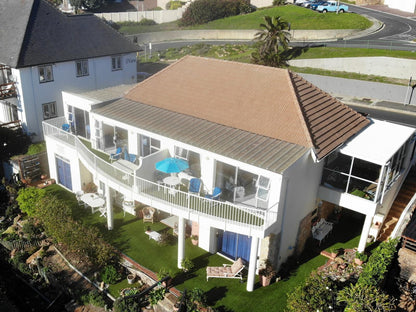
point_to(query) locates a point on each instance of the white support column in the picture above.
(253, 263)
(109, 206)
(181, 241)
(365, 232)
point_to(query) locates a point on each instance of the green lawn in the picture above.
(299, 18)
(129, 236)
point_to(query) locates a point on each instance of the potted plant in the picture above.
(130, 278)
(266, 273)
(194, 239)
(360, 258)
(187, 265)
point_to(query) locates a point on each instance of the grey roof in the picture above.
(105, 94)
(261, 151)
(34, 32)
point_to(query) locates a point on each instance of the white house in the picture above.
(44, 52)
(278, 148)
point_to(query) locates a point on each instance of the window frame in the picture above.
(116, 63)
(83, 66)
(44, 69)
(51, 107)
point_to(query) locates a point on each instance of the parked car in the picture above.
(313, 6)
(332, 6)
(299, 2)
(307, 4)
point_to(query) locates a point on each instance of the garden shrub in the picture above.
(363, 298)
(147, 22)
(316, 294)
(28, 199)
(30, 229)
(378, 264)
(110, 275)
(36, 148)
(204, 11)
(94, 297)
(279, 2)
(173, 5)
(126, 305)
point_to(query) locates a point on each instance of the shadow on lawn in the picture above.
(348, 227)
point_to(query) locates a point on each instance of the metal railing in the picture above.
(404, 219)
(7, 90)
(162, 195)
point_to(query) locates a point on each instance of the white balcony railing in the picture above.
(253, 217)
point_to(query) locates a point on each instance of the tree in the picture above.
(273, 43)
(12, 142)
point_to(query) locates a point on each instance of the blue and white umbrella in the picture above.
(172, 165)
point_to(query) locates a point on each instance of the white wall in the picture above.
(402, 5)
(303, 179)
(159, 17)
(32, 94)
(65, 151)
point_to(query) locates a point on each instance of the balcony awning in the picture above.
(378, 142)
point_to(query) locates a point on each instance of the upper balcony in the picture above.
(7, 90)
(7, 85)
(141, 182)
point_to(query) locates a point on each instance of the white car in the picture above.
(300, 2)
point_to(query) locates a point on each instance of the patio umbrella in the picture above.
(172, 165)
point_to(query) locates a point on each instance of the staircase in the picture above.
(403, 197)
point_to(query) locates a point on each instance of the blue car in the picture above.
(314, 5)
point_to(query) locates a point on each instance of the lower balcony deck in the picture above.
(140, 185)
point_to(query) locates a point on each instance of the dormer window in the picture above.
(45, 73)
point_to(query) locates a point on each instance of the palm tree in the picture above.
(273, 43)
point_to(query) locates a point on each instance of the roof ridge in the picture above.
(300, 111)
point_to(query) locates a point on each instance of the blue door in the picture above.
(64, 172)
(235, 245)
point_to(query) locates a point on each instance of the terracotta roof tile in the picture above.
(270, 102)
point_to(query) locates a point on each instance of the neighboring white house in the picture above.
(276, 146)
(44, 52)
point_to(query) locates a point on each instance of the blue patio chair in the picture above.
(66, 127)
(215, 194)
(132, 158)
(117, 154)
(195, 186)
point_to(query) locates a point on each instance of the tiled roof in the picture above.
(244, 146)
(266, 101)
(34, 32)
(330, 123)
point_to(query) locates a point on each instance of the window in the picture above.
(116, 62)
(49, 110)
(45, 73)
(181, 152)
(82, 68)
(263, 186)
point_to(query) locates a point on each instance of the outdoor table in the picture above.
(154, 235)
(172, 182)
(93, 200)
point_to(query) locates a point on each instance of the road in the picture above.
(393, 116)
(398, 33)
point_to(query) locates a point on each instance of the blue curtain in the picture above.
(64, 173)
(235, 245)
(243, 247)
